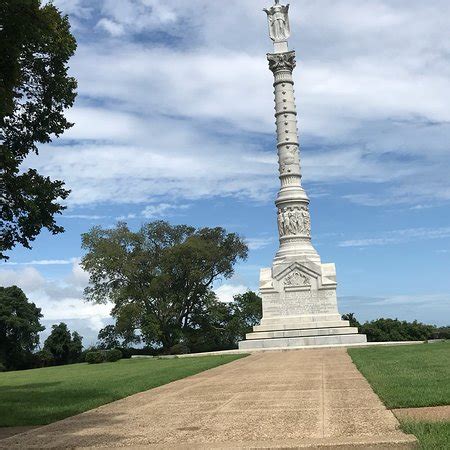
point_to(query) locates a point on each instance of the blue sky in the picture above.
(174, 121)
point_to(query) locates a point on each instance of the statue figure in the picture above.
(306, 221)
(277, 16)
(287, 221)
(298, 221)
(280, 223)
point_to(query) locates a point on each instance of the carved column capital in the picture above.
(281, 61)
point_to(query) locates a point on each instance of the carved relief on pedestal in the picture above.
(281, 61)
(296, 278)
(294, 220)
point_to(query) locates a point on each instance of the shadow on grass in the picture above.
(28, 386)
(30, 406)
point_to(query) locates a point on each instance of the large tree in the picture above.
(64, 347)
(19, 327)
(35, 90)
(157, 277)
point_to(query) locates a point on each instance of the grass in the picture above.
(431, 436)
(407, 376)
(42, 396)
(411, 376)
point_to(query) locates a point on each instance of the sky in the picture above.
(174, 121)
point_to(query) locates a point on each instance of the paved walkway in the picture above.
(288, 399)
(426, 413)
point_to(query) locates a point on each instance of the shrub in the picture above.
(2, 367)
(44, 358)
(95, 357)
(113, 355)
(179, 349)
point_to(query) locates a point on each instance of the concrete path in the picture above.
(290, 399)
(426, 413)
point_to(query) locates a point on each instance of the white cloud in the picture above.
(399, 237)
(113, 28)
(226, 292)
(28, 279)
(258, 243)
(161, 209)
(42, 262)
(170, 114)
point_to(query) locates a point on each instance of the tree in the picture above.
(76, 347)
(380, 330)
(35, 89)
(64, 347)
(158, 276)
(220, 326)
(352, 319)
(108, 338)
(19, 327)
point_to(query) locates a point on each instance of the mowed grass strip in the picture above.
(42, 396)
(431, 435)
(407, 376)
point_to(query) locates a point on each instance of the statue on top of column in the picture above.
(277, 16)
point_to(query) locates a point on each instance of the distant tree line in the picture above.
(384, 330)
(19, 335)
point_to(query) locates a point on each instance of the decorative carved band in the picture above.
(294, 220)
(281, 61)
(290, 180)
(297, 278)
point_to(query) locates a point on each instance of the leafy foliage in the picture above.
(19, 327)
(158, 278)
(220, 326)
(108, 337)
(64, 347)
(383, 330)
(113, 355)
(95, 357)
(35, 89)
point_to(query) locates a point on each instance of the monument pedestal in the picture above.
(300, 308)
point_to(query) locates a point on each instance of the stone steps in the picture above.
(286, 324)
(285, 342)
(302, 333)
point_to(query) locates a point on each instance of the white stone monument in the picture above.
(299, 291)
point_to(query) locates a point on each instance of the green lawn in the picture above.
(431, 436)
(411, 376)
(407, 376)
(42, 396)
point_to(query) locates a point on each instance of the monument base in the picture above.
(300, 308)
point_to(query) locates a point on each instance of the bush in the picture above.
(95, 357)
(179, 349)
(44, 358)
(113, 355)
(2, 367)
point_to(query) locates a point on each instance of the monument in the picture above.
(299, 291)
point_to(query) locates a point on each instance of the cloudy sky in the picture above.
(174, 121)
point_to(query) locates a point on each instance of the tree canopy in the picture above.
(19, 327)
(158, 278)
(35, 89)
(64, 347)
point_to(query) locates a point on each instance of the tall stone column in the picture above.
(299, 291)
(294, 223)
